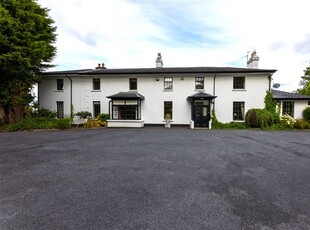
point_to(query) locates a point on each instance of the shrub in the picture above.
(46, 113)
(302, 124)
(271, 106)
(103, 117)
(83, 114)
(251, 118)
(259, 118)
(306, 114)
(63, 123)
(288, 121)
(39, 123)
(265, 118)
(92, 123)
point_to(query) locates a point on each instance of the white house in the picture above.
(292, 104)
(137, 96)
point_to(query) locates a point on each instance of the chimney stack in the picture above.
(253, 61)
(159, 61)
(100, 66)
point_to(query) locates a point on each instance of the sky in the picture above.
(188, 33)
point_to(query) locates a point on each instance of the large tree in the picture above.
(27, 38)
(305, 83)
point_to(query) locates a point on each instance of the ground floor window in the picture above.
(60, 109)
(167, 109)
(288, 108)
(126, 110)
(238, 110)
(96, 108)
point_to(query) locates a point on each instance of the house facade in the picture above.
(292, 104)
(137, 96)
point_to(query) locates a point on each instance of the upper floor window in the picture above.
(199, 83)
(168, 83)
(238, 111)
(288, 108)
(133, 84)
(60, 84)
(239, 83)
(96, 83)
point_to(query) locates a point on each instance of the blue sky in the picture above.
(130, 33)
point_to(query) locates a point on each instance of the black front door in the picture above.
(201, 113)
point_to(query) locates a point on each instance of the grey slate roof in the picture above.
(161, 71)
(281, 95)
(127, 96)
(202, 95)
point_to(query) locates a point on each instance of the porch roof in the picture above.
(126, 96)
(201, 95)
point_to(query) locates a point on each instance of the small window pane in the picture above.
(288, 108)
(60, 84)
(199, 84)
(239, 83)
(168, 83)
(238, 111)
(133, 84)
(96, 84)
(168, 109)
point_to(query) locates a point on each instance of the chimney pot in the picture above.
(159, 61)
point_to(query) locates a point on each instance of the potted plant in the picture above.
(167, 120)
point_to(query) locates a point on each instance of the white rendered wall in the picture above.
(252, 96)
(152, 108)
(299, 107)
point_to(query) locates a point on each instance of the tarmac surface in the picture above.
(155, 178)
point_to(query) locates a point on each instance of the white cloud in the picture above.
(124, 33)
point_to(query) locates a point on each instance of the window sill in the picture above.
(238, 120)
(60, 91)
(96, 90)
(239, 90)
(199, 89)
(168, 90)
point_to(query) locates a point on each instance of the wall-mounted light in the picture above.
(182, 78)
(157, 79)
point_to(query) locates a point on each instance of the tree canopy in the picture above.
(27, 38)
(305, 83)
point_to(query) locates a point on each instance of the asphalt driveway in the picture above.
(155, 178)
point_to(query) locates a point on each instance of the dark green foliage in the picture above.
(83, 114)
(232, 125)
(259, 118)
(265, 118)
(46, 113)
(271, 106)
(103, 117)
(306, 114)
(26, 48)
(251, 118)
(39, 123)
(305, 83)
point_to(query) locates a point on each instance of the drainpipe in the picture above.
(270, 78)
(214, 89)
(71, 105)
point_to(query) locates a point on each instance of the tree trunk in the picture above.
(15, 114)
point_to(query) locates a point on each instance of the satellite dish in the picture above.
(276, 85)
